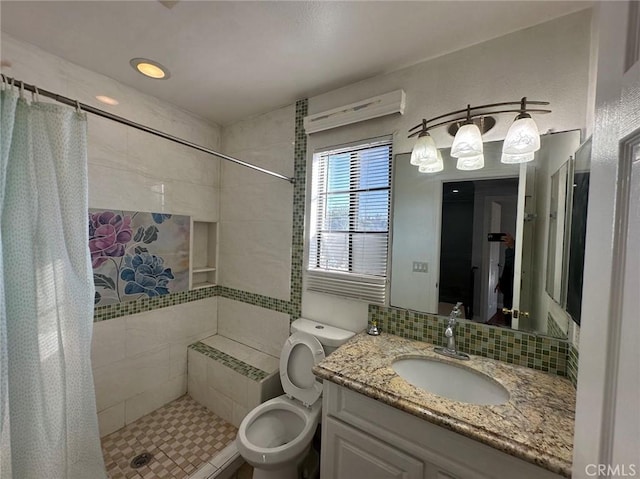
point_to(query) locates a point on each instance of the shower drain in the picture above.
(141, 460)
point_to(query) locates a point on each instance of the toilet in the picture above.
(276, 436)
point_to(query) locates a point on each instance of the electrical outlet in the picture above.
(420, 267)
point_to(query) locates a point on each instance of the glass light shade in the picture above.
(468, 163)
(424, 151)
(432, 167)
(511, 159)
(468, 142)
(522, 137)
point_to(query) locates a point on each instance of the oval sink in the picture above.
(451, 381)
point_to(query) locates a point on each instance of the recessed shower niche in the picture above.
(203, 254)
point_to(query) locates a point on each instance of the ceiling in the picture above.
(231, 60)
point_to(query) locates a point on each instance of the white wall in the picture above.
(546, 62)
(607, 419)
(139, 361)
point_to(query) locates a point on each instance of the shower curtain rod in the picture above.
(105, 114)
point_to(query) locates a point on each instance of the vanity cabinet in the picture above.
(352, 453)
(362, 437)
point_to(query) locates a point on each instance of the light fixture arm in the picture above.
(471, 112)
(523, 109)
(425, 130)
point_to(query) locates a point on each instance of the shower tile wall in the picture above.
(256, 227)
(139, 360)
(260, 328)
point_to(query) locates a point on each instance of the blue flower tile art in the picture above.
(138, 255)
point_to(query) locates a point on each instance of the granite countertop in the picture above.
(535, 425)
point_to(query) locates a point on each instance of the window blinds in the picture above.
(349, 233)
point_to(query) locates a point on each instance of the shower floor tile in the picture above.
(181, 436)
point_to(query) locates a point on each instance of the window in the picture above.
(349, 230)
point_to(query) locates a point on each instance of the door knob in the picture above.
(512, 312)
(515, 313)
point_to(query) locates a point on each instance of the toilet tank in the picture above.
(329, 336)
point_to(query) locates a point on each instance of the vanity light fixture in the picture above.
(523, 136)
(469, 163)
(150, 68)
(521, 158)
(424, 151)
(432, 166)
(520, 145)
(468, 139)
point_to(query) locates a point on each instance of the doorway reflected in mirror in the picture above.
(476, 261)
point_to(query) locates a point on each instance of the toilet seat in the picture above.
(300, 353)
(274, 457)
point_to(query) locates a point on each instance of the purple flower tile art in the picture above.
(138, 255)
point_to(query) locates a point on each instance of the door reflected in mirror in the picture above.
(477, 248)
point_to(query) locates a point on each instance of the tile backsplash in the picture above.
(525, 349)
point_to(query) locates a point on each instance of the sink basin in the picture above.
(451, 381)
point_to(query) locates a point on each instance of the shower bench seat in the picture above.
(230, 378)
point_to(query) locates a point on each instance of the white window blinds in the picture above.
(349, 231)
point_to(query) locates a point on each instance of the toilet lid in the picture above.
(300, 353)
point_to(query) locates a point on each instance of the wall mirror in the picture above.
(567, 231)
(578, 186)
(442, 224)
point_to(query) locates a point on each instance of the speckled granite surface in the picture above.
(535, 425)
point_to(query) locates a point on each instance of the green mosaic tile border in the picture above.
(279, 305)
(299, 202)
(553, 328)
(229, 361)
(111, 311)
(516, 347)
(572, 365)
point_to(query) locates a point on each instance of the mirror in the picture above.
(441, 251)
(558, 208)
(576, 235)
(567, 231)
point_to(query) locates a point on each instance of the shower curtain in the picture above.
(48, 421)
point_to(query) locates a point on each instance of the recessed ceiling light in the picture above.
(150, 68)
(107, 100)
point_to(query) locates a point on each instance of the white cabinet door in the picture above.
(348, 453)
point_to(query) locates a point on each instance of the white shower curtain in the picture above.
(48, 422)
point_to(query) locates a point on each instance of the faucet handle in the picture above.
(455, 314)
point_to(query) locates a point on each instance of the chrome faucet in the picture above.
(450, 349)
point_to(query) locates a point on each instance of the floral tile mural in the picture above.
(138, 255)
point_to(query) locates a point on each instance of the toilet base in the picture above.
(290, 470)
(287, 472)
